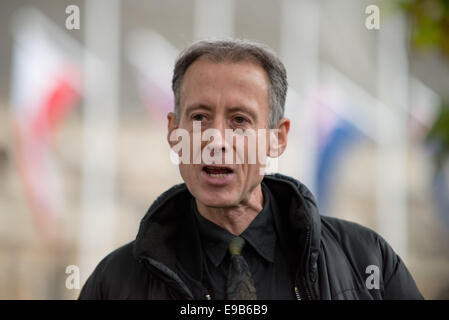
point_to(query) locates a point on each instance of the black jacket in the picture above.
(332, 255)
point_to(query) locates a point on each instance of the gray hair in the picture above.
(236, 51)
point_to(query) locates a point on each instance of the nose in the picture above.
(218, 143)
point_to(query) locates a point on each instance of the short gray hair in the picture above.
(236, 51)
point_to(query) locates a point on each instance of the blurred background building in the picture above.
(83, 150)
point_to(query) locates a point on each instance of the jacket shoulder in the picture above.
(367, 249)
(350, 233)
(363, 245)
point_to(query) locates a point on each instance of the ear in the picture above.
(171, 125)
(278, 139)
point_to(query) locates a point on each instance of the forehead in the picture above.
(206, 79)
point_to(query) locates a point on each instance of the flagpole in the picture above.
(100, 126)
(391, 124)
(299, 46)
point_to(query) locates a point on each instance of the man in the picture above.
(229, 232)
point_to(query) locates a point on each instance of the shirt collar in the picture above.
(260, 234)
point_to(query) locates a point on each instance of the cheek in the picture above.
(187, 172)
(249, 174)
(257, 173)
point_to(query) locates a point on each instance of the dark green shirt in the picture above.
(269, 267)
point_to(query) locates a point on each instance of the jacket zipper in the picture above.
(306, 291)
(298, 296)
(308, 294)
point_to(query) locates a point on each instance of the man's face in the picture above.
(226, 95)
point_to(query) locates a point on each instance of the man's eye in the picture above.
(198, 117)
(240, 120)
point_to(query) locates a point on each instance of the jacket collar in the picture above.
(168, 232)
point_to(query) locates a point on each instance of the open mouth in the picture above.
(217, 171)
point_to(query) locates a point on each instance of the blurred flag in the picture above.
(153, 57)
(336, 134)
(45, 85)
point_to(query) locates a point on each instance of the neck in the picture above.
(235, 219)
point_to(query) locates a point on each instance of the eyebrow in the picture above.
(196, 106)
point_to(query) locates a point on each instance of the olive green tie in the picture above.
(240, 281)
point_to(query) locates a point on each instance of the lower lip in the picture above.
(219, 180)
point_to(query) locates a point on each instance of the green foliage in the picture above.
(438, 135)
(429, 22)
(430, 29)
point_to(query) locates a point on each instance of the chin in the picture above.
(215, 199)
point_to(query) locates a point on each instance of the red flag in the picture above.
(45, 85)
